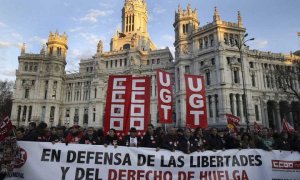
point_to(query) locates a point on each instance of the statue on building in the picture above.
(133, 40)
(23, 48)
(100, 47)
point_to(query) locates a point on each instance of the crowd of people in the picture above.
(186, 140)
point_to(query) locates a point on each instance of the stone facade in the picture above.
(44, 92)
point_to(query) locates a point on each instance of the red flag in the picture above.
(165, 100)
(140, 104)
(5, 127)
(196, 113)
(117, 103)
(286, 126)
(257, 127)
(232, 121)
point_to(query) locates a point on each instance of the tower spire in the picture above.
(240, 20)
(217, 16)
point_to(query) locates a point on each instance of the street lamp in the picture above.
(240, 45)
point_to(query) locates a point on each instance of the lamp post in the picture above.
(240, 45)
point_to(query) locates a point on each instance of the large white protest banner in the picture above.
(44, 161)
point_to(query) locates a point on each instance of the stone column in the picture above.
(290, 115)
(213, 106)
(265, 118)
(277, 117)
(234, 104)
(241, 108)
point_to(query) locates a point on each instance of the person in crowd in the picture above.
(231, 141)
(74, 135)
(170, 141)
(111, 138)
(20, 134)
(186, 143)
(247, 141)
(90, 137)
(151, 139)
(32, 132)
(296, 141)
(132, 140)
(42, 134)
(57, 135)
(180, 132)
(100, 136)
(214, 140)
(199, 139)
(281, 142)
(265, 140)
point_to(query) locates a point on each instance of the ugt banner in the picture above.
(117, 103)
(196, 113)
(165, 100)
(44, 161)
(140, 104)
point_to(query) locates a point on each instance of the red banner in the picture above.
(164, 89)
(5, 127)
(117, 103)
(196, 114)
(140, 104)
(287, 127)
(232, 121)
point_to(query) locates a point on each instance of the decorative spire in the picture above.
(189, 9)
(179, 8)
(100, 47)
(23, 49)
(240, 20)
(217, 15)
(43, 50)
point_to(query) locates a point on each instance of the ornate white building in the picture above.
(44, 92)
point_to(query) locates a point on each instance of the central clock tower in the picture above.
(134, 34)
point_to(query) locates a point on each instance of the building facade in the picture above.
(45, 92)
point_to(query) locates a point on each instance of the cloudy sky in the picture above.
(274, 24)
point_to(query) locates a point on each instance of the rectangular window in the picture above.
(158, 61)
(213, 61)
(125, 62)
(253, 80)
(210, 106)
(187, 69)
(26, 93)
(236, 76)
(148, 62)
(238, 110)
(121, 62)
(29, 113)
(256, 113)
(52, 113)
(24, 113)
(228, 60)
(19, 113)
(106, 64)
(207, 78)
(217, 105)
(251, 64)
(116, 63)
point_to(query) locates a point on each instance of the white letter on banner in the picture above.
(117, 110)
(117, 85)
(166, 108)
(197, 116)
(115, 98)
(134, 86)
(133, 97)
(112, 124)
(137, 106)
(141, 123)
(199, 103)
(161, 80)
(191, 85)
(166, 98)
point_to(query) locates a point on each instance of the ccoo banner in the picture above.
(140, 104)
(164, 89)
(45, 161)
(117, 103)
(196, 114)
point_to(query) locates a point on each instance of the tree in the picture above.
(6, 92)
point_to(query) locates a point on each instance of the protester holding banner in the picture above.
(32, 132)
(132, 140)
(247, 141)
(214, 140)
(74, 135)
(90, 137)
(170, 141)
(20, 133)
(265, 140)
(151, 139)
(201, 142)
(186, 143)
(231, 141)
(281, 142)
(111, 138)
